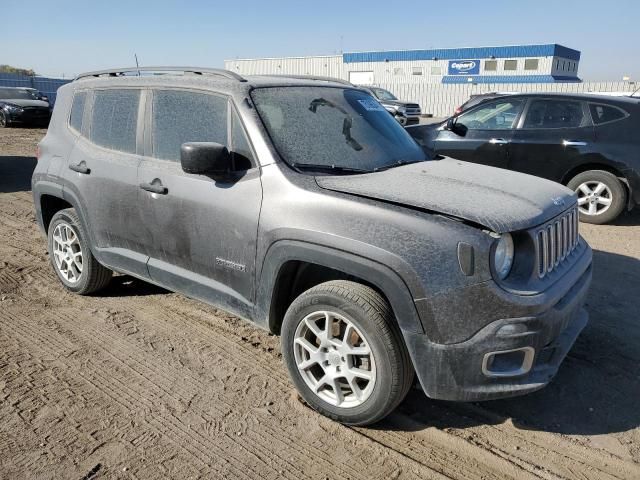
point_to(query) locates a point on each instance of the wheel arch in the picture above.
(291, 267)
(50, 198)
(585, 167)
(49, 206)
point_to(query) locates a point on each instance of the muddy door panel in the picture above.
(203, 232)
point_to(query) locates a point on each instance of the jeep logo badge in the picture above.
(558, 201)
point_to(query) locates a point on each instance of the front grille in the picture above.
(413, 109)
(36, 111)
(555, 241)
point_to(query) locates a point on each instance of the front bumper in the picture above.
(455, 371)
(407, 120)
(29, 116)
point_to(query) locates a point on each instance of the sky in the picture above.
(67, 37)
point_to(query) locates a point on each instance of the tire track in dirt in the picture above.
(454, 454)
(129, 399)
(124, 391)
(439, 461)
(193, 386)
(562, 456)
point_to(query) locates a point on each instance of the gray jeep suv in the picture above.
(303, 206)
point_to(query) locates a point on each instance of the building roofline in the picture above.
(526, 49)
(508, 51)
(465, 48)
(300, 57)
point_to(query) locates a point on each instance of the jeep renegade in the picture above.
(301, 205)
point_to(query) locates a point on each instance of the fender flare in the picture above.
(41, 188)
(379, 275)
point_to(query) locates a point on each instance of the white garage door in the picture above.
(361, 78)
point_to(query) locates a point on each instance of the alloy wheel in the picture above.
(67, 252)
(334, 359)
(594, 198)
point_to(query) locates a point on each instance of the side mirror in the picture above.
(451, 124)
(205, 158)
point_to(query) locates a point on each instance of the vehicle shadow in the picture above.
(597, 388)
(15, 173)
(627, 219)
(126, 286)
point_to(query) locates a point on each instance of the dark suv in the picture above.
(588, 142)
(302, 206)
(406, 113)
(25, 106)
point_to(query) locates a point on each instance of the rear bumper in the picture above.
(461, 371)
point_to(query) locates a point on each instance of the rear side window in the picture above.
(182, 116)
(114, 119)
(605, 113)
(77, 110)
(554, 114)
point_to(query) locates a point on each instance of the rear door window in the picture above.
(77, 111)
(498, 115)
(114, 119)
(180, 116)
(551, 113)
(605, 113)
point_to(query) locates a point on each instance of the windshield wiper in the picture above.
(328, 168)
(399, 163)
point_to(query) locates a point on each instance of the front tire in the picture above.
(4, 121)
(601, 196)
(71, 257)
(345, 353)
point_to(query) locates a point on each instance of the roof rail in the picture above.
(313, 77)
(116, 72)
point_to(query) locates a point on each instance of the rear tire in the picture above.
(360, 371)
(71, 256)
(601, 196)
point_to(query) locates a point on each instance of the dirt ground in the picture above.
(140, 383)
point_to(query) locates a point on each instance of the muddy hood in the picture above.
(498, 199)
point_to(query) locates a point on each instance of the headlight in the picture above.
(503, 256)
(13, 108)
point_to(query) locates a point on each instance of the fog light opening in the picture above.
(508, 363)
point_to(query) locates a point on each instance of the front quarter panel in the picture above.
(418, 247)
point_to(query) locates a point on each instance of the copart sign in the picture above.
(464, 67)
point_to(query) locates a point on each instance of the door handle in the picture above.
(498, 141)
(154, 188)
(80, 168)
(571, 143)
